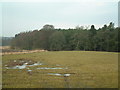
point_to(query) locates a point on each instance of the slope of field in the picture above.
(83, 69)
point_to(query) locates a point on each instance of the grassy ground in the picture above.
(91, 70)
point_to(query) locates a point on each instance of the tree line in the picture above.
(5, 41)
(80, 38)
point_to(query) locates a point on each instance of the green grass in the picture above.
(92, 70)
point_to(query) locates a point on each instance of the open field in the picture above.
(83, 69)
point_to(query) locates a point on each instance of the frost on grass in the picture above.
(21, 64)
(51, 68)
(58, 74)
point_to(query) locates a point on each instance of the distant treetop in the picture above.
(48, 27)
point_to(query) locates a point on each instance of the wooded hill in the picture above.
(49, 38)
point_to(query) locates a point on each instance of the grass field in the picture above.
(87, 69)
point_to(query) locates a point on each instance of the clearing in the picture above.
(60, 69)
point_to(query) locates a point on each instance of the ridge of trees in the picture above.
(49, 38)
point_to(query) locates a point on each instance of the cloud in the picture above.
(29, 16)
(59, 0)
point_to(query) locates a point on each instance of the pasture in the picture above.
(83, 69)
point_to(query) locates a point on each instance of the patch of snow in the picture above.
(20, 67)
(26, 63)
(29, 70)
(6, 65)
(58, 74)
(17, 67)
(14, 60)
(35, 64)
(51, 68)
(66, 75)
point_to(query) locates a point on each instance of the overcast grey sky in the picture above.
(24, 16)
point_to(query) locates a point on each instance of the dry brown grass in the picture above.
(7, 50)
(4, 47)
(24, 51)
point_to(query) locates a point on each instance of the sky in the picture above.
(27, 15)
